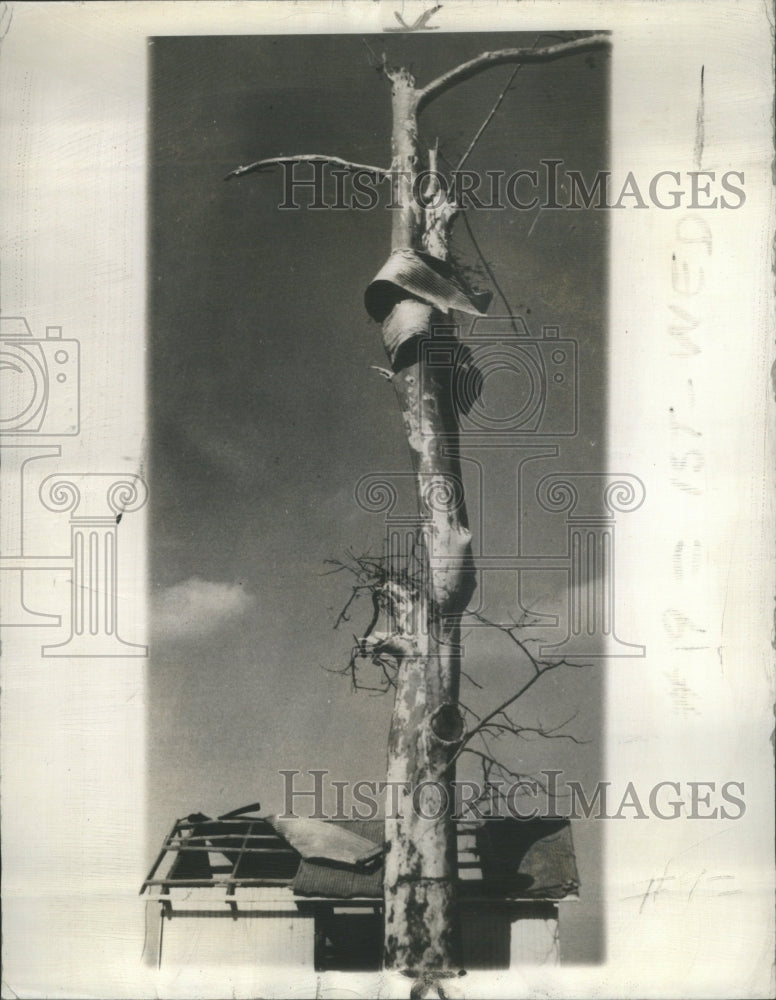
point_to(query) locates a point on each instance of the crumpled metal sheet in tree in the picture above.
(424, 277)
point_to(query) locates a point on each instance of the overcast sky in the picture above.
(265, 412)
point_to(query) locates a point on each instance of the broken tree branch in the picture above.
(337, 161)
(487, 60)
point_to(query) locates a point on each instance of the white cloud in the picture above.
(195, 608)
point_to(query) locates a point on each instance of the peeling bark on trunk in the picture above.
(421, 922)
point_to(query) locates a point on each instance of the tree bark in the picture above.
(421, 920)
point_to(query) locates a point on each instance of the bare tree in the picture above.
(425, 599)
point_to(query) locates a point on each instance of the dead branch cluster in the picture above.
(490, 739)
(389, 584)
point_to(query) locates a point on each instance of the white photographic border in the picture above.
(689, 905)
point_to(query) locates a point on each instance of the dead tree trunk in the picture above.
(420, 876)
(426, 727)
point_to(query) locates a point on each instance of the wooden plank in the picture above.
(216, 882)
(209, 849)
(225, 836)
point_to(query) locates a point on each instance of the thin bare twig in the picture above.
(463, 159)
(501, 728)
(488, 119)
(375, 62)
(470, 679)
(343, 616)
(503, 768)
(468, 710)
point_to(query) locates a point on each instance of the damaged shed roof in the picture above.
(498, 858)
(504, 858)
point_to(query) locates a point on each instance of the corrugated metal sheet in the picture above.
(424, 277)
(337, 883)
(313, 879)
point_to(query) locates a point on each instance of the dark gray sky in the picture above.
(265, 413)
